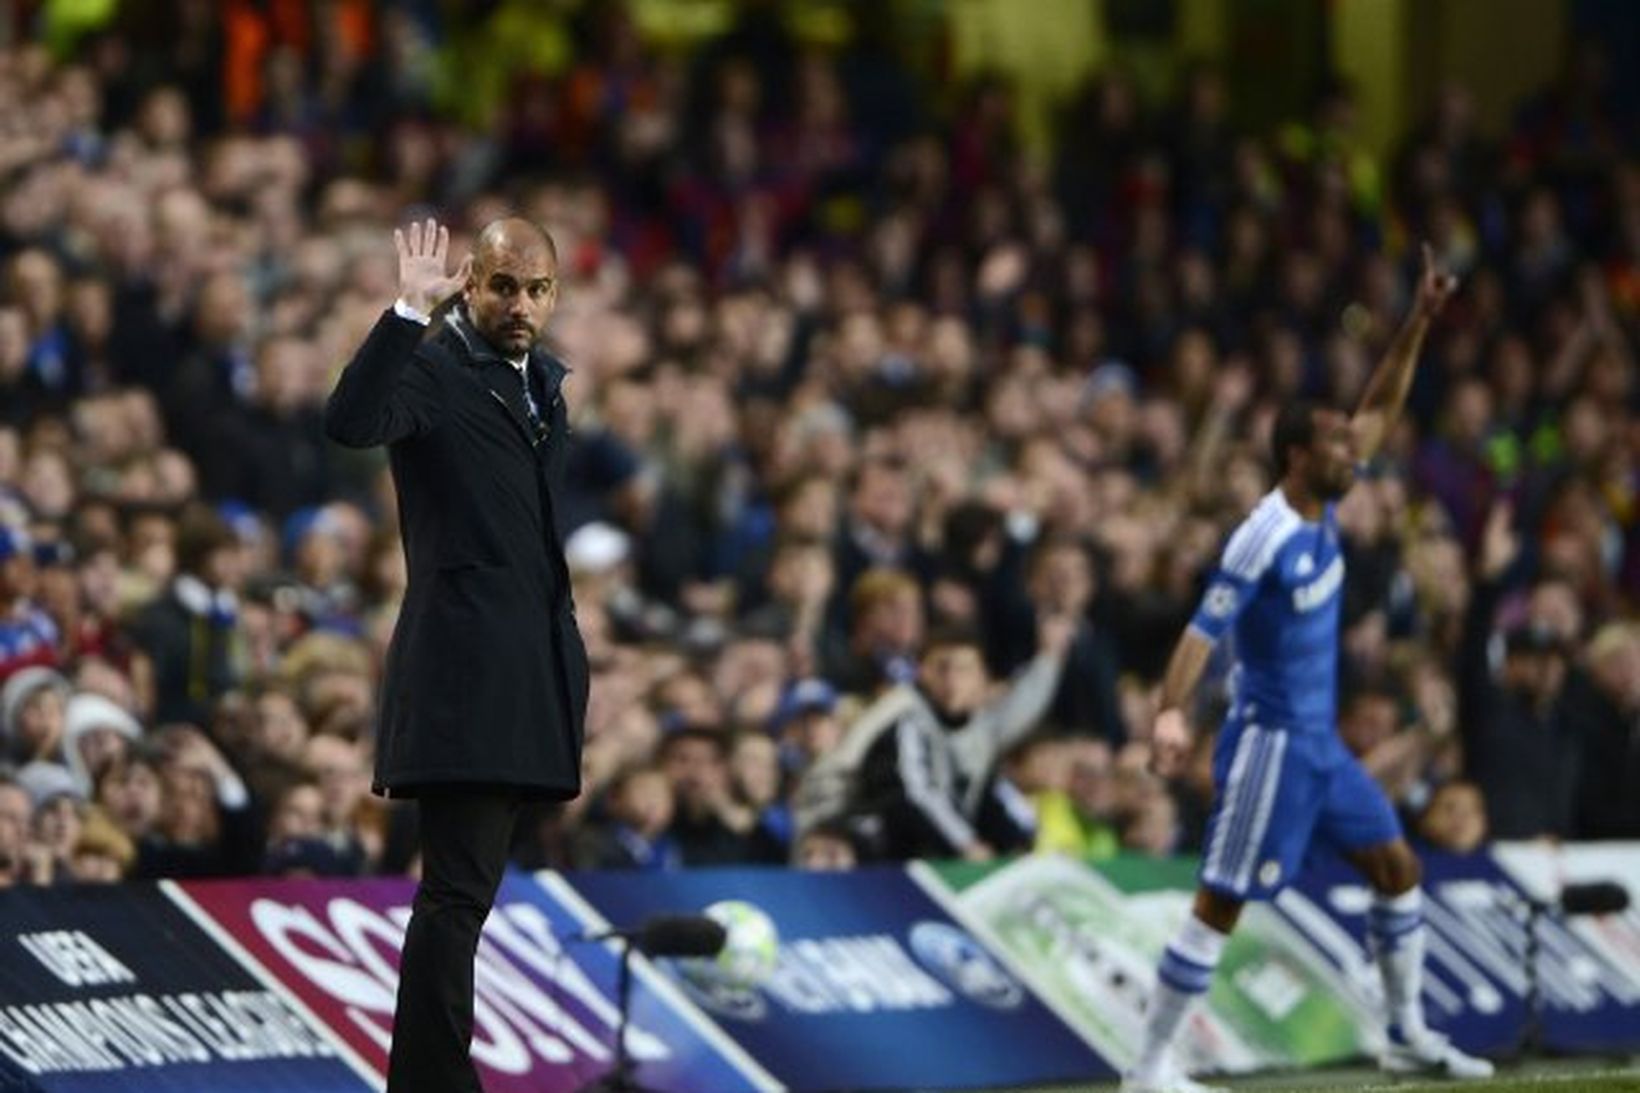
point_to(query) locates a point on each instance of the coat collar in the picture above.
(477, 352)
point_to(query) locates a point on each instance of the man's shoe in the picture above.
(1427, 1052)
(1170, 1080)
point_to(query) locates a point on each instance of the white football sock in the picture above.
(1395, 933)
(1184, 974)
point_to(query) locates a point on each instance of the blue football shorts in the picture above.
(1276, 794)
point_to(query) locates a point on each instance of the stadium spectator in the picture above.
(1521, 745)
(759, 783)
(826, 847)
(926, 783)
(1151, 827)
(1609, 717)
(1079, 818)
(298, 813)
(32, 708)
(16, 850)
(341, 770)
(799, 583)
(130, 793)
(206, 825)
(271, 453)
(632, 831)
(97, 733)
(102, 854)
(59, 821)
(188, 636)
(28, 637)
(273, 750)
(709, 826)
(1404, 758)
(886, 609)
(876, 530)
(1061, 581)
(1455, 818)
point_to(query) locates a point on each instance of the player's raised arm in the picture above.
(1386, 390)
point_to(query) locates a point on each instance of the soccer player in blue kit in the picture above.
(1282, 776)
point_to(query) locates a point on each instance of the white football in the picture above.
(749, 954)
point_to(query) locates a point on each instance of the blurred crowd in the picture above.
(898, 458)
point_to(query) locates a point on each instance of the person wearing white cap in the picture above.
(16, 805)
(58, 810)
(95, 732)
(596, 548)
(46, 781)
(32, 714)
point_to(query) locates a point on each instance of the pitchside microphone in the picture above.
(1601, 897)
(662, 935)
(669, 935)
(1595, 898)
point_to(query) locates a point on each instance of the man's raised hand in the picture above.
(424, 252)
(1435, 286)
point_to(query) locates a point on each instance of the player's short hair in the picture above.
(1294, 428)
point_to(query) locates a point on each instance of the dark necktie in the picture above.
(538, 424)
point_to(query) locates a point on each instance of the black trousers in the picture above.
(465, 833)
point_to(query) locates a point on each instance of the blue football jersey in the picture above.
(1277, 592)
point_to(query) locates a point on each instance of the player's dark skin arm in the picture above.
(1170, 742)
(1392, 868)
(1170, 746)
(1386, 390)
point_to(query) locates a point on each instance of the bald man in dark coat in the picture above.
(484, 699)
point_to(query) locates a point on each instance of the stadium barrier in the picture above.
(936, 976)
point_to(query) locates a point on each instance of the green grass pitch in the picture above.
(1541, 1076)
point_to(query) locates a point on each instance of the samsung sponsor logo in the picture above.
(535, 1009)
(1310, 596)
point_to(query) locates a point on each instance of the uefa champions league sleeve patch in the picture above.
(1220, 600)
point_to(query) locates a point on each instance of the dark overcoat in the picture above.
(486, 678)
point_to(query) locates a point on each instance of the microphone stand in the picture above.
(1590, 898)
(621, 1077)
(662, 935)
(1531, 1034)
